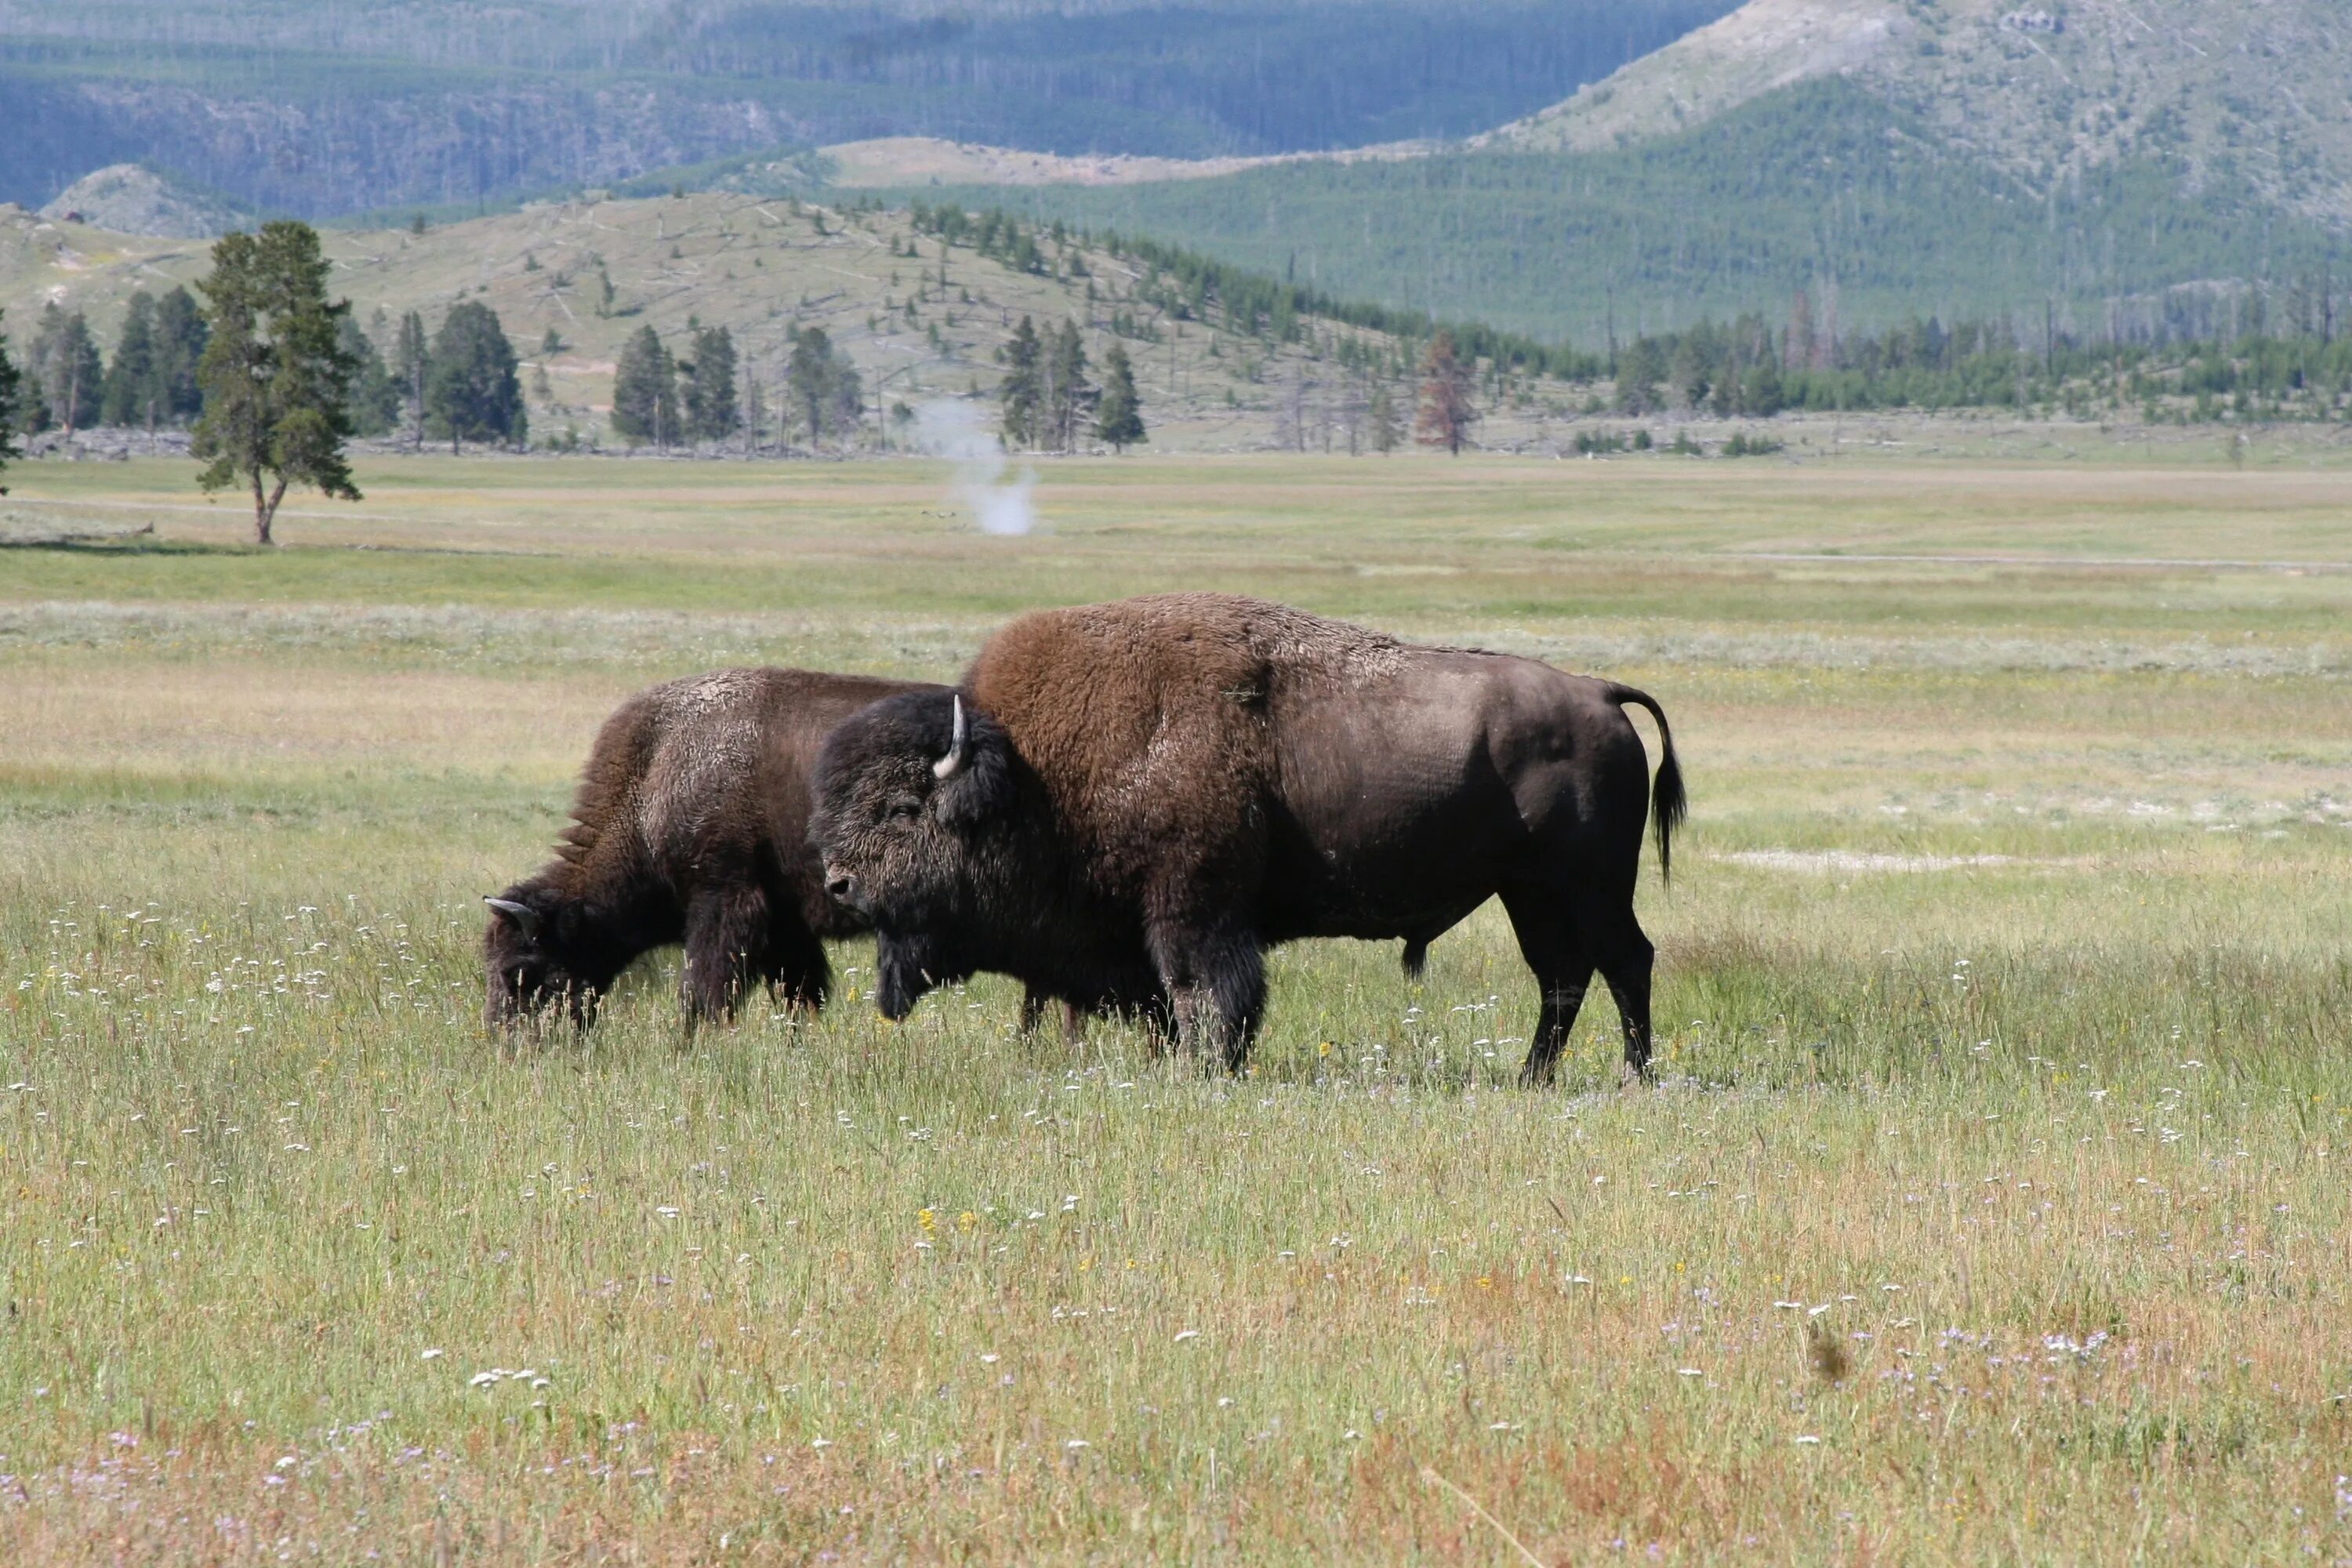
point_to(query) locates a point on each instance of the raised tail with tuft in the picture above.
(1667, 804)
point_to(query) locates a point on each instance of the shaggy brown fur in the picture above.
(1189, 777)
(691, 824)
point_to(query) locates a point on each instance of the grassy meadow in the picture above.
(1992, 1205)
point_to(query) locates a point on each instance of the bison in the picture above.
(691, 824)
(1137, 799)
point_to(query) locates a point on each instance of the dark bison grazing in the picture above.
(691, 825)
(1143, 794)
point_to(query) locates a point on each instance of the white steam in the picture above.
(949, 429)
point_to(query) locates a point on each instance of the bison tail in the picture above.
(1667, 802)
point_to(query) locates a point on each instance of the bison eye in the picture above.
(904, 808)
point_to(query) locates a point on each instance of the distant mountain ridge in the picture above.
(320, 111)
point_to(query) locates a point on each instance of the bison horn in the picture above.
(522, 914)
(946, 766)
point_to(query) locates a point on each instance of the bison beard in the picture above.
(1131, 801)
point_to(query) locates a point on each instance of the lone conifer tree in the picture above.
(1119, 417)
(1022, 389)
(472, 392)
(644, 391)
(1446, 412)
(274, 377)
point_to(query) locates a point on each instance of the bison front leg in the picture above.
(1216, 981)
(796, 967)
(726, 931)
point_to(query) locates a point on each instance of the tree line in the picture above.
(1048, 400)
(706, 392)
(459, 385)
(269, 376)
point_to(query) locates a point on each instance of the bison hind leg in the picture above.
(1626, 958)
(1555, 949)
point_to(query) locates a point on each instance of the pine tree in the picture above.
(412, 361)
(822, 386)
(273, 375)
(181, 333)
(65, 361)
(1386, 434)
(473, 392)
(374, 399)
(1693, 362)
(1639, 371)
(1723, 400)
(1022, 388)
(1446, 412)
(712, 414)
(12, 391)
(1068, 395)
(755, 415)
(133, 395)
(644, 391)
(1119, 417)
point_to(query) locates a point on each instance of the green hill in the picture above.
(1821, 184)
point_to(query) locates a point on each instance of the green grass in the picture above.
(2002, 992)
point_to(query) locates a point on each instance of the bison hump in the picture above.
(1148, 720)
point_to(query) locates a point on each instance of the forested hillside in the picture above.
(1821, 186)
(731, 324)
(318, 110)
(910, 313)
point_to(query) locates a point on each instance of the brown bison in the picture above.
(691, 825)
(1134, 799)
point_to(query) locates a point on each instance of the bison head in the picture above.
(532, 958)
(907, 789)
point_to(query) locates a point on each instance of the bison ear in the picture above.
(981, 785)
(529, 920)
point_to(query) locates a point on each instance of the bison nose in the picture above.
(841, 885)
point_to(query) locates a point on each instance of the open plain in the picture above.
(1992, 1205)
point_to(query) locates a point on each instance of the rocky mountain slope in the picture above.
(2250, 96)
(128, 199)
